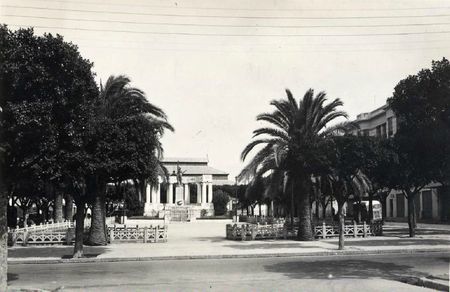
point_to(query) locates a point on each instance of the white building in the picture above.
(431, 203)
(188, 191)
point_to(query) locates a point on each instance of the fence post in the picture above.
(68, 237)
(25, 238)
(324, 230)
(145, 234)
(355, 229)
(156, 233)
(364, 228)
(111, 235)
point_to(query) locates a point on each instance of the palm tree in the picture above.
(119, 102)
(291, 145)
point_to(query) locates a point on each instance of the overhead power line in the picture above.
(225, 16)
(243, 8)
(224, 25)
(234, 35)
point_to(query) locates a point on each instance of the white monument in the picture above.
(188, 188)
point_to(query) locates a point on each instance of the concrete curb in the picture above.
(230, 256)
(430, 283)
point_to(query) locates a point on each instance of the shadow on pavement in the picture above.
(420, 231)
(344, 269)
(53, 252)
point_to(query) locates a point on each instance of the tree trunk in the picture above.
(24, 215)
(79, 230)
(411, 215)
(69, 207)
(304, 218)
(97, 233)
(3, 237)
(341, 225)
(58, 212)
(259, 205)
(370, 207)
(383, 199)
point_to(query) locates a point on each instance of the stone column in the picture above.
(154, 194)
(148, 192)
(187, 195)
(147, 206)
(406, 207)
(158, 193)
(199, 193)
(394, 211)
(204, 193)
(210, 192)
(170, 193)
(434, 204)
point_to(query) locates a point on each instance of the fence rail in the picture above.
(276, 231)
(45, 226)
(137, 234)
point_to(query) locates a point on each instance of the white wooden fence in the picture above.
(137, 234)
(276, 231)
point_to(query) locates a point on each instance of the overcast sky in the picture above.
(214, 65)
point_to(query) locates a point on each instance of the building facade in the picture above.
(186, 192)
(432, 203)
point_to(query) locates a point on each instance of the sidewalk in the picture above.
(206, 239)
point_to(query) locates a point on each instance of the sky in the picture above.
(212, 65)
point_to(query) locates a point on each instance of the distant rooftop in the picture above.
(183, 160)
(191, 166)
(374, 113)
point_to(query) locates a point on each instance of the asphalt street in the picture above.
(331, 273)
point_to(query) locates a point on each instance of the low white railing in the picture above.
(46, 226)
(137, 234)
(323, 231)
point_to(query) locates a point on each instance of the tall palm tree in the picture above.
(120, 102)
(291, 144)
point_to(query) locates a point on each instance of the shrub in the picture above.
(220, 201)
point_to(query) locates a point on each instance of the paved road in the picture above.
(336, 273)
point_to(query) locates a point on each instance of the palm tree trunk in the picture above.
(58, 212)
(79, 230)
(341, 225)
(304, 218)
(97, 233)
(69, 207)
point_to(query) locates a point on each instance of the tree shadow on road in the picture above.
(420, 231)
(344, 269)
(12, 277)
(63, 252)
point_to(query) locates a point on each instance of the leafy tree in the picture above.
(220, 201)
(421, 104)
(45, 74)
(346, 157)
(292, 146)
